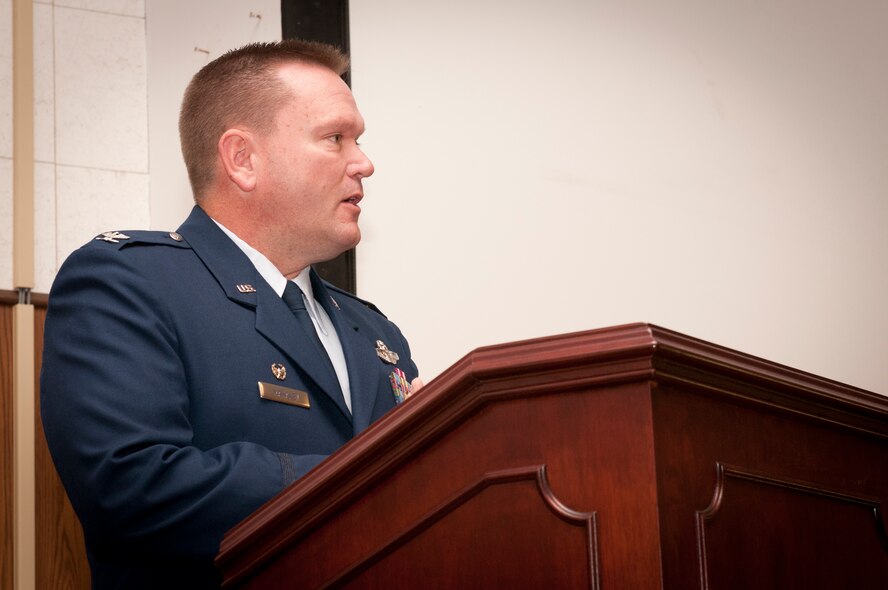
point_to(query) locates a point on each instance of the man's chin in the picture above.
(342, 246)
(354, 239)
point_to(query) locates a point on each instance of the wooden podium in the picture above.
(627, 458)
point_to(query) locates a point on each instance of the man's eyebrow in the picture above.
(337, 122)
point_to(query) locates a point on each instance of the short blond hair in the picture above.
(241, 87)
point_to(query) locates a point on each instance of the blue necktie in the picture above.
(295, 301)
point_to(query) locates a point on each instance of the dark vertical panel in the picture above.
(7, 300)
(325, 21)
(318, 20)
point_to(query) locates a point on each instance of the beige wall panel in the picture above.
(44, 83)
(45, 251)
(100, 91)
(5, 78)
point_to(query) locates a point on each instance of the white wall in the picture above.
(716, 168)
(182, 38)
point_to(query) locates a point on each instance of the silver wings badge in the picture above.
(383, 352)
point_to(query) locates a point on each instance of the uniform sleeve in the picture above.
(115, 408)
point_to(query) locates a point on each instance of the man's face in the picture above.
(311, 178)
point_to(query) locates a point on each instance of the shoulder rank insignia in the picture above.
(383, 352)
(112, 236)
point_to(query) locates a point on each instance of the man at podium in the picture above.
(189, 376)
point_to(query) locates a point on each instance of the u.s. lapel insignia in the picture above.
(383, 352)
(112, 236)
(245, 288)
(279, 371)
(336, 305)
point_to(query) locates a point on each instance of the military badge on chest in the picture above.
(279, 371)
(400, 385)
(398, 379)
(383, 352)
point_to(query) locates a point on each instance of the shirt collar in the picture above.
(269, 271)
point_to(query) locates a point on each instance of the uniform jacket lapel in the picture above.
(360, 357)
(243, 285)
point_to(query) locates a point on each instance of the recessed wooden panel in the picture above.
(762, 531)
(696, 429)
(508, 528)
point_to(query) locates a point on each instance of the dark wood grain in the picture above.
(631, 424)
(825, 537)
(6, 444)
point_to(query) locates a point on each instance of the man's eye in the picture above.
(336, 138)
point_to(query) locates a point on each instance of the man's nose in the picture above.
(361, 166)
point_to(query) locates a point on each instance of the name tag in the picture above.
(284, 395)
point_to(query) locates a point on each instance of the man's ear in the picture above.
(237, 151)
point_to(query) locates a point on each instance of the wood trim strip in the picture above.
(23, 390)
(23, 144)
(24, 471)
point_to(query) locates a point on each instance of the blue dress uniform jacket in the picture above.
(155, 345)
